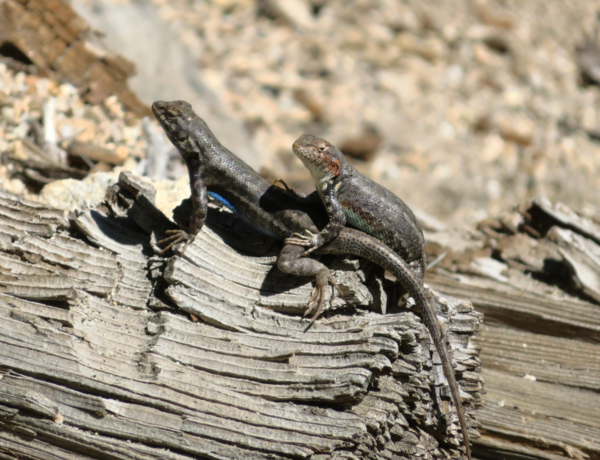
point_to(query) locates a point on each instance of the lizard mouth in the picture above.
(158, 108)
(307, 155)
(310, 155)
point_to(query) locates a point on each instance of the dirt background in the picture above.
(462, 108)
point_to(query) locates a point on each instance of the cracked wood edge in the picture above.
(102, 361)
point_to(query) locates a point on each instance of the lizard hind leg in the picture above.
(177, 236)
(290, 261)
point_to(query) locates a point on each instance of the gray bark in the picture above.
(109, 351)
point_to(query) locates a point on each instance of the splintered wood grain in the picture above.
(96, 333)
(520, 408)
(568, 218)
(540, 346)
(12, 446)
(87, 268)
(521, 353)
(97, 373)
(125, 346)
(133, 287)
(47, 266)
(18, 218)
(509, 304)
(583, 256)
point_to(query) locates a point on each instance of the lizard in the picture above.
(351, 197)
(216, 171)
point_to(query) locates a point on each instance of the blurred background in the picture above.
(462, 108)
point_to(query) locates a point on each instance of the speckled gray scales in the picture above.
(395, 224)
(349, 196)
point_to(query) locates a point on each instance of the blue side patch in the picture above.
(229, 206)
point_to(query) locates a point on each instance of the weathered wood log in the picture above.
(98, 358)
(537, 287)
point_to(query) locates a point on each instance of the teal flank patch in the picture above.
(359, 223)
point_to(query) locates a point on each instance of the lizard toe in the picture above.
(312, 303)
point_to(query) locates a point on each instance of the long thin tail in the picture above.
(353, 242)
(416, 290)
(449, 371)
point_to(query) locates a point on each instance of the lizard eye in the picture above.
(171, 114)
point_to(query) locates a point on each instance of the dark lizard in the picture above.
(216, 171)
(351, 197)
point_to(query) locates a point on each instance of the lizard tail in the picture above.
(353, 242)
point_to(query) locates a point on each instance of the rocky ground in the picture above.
(462, 108)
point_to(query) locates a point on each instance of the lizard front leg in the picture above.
(199, 200)
(337, 221)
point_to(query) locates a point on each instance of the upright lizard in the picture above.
(350, 197)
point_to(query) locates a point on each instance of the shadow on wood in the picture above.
(99, 360)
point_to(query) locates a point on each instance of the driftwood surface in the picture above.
(109, 351)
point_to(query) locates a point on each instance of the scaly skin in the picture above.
(353, 198)
(274, 212)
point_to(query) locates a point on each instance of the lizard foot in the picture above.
(310, 240)
(317, 299)
(177, 236)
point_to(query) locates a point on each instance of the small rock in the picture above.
(363, 147)
(297, 12)
(518, 130)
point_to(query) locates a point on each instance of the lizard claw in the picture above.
(177, 236)
(307, 240)
(335, 285)
(282, 182)
(300, 240)
(317, 299)
(297, 242)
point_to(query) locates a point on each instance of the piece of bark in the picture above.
(59, 42)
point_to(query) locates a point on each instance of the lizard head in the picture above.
(322, 159)
(176, 118)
